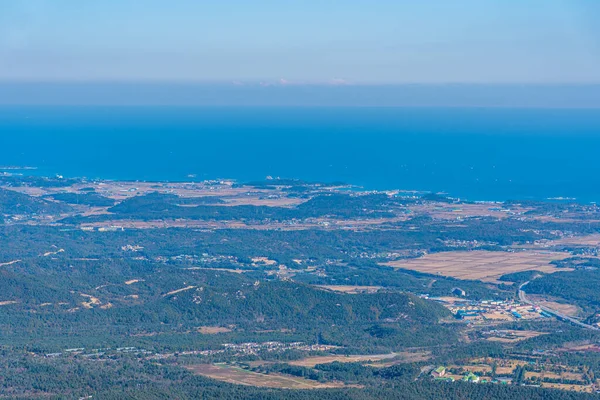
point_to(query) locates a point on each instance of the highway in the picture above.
(523, 299)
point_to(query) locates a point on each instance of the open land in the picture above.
(370, 358)
(557, 304)
(236, 375)
(482, 265)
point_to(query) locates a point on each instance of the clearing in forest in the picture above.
(240, 376)
(486, 266)
(310, 362)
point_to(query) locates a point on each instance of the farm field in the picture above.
(586, 240)
(486, 266)
(310, 362)
(240, 376)
(536, 374)
(557, 304)
(565, 386)
(213, 330)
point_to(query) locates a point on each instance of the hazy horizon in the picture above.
(357, 41)
(195, 94)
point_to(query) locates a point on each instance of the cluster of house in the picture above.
(493, 310)
(254, 348)
(97, 353)
(236, 348)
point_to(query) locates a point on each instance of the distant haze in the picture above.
(512, 96)
(302, 42)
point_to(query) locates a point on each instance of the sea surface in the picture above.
(477, 154)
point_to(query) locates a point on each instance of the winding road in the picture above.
(523, 299)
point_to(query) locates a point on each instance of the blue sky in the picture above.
(310, 41)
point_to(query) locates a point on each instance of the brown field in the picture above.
(310, 362)
(236, 375)
(495, 316)
(504, 367)
(482, 265)
(577, 346)
(263, 260)
(351, 289)
(556, 304)
(588, 240)
(213, 330)
(574, 388)
(546, 374)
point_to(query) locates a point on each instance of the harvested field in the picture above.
(556, 304)
(566, 309)
(263, 261)
(588, 240)
(498, 316)
(310, 362)
(574, 388)
(213, 330)
(483, 365)
(239, 376)
(486, 266)
(571, 347)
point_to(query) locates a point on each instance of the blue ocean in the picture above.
(477, 154)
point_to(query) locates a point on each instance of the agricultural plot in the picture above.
(372, 359)
(557, 304)
(587, 240)
(486, 266)
(240, 376)
(537, 372)
(213, 330)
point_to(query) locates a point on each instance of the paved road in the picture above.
(523, 299)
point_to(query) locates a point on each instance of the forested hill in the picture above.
(169, 298)
(15, 203)
(158, 206)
